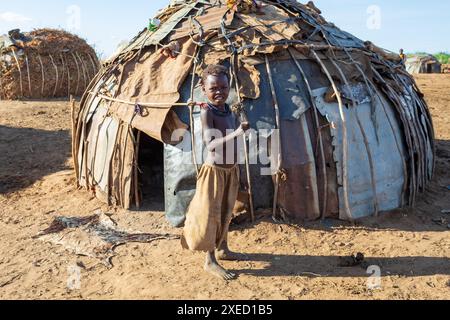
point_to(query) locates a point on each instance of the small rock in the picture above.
(446, 211)
(37, 263)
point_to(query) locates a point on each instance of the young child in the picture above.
(210, 212)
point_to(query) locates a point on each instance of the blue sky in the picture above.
(415, 25)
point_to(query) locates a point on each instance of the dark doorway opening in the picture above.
(151, 173)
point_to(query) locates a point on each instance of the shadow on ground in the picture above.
(27, 155)
(328, 266)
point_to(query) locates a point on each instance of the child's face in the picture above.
(216, 89)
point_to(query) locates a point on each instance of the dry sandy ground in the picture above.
(37, 184)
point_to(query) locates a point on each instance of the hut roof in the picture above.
(44, 63)
(209, 30)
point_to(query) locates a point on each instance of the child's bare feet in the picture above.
(213, 267)
(227, 255)
(216, 270)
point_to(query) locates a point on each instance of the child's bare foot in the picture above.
(213, 267)
(228, 255)
(216, 270)
(225, 254)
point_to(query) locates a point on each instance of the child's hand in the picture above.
(245, 126)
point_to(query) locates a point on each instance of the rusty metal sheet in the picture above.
(298, 196)
(210, 19)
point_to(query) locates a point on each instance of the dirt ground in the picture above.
(37, 184)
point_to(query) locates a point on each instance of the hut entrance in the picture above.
(151, 173)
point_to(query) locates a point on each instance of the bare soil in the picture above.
(37, 184)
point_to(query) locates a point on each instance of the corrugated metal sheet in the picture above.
(104, 151)
(388, 161)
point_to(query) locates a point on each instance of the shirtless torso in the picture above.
(220, 121)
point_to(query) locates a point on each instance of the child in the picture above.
(210, 213)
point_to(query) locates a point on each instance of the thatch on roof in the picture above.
(355, 132)
(45, 63)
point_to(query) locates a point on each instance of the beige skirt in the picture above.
(210, 212)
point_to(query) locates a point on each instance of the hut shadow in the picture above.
(328, 266)
(398, 220)
(27, 155)
(152, 203)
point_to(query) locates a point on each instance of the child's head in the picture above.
(216, 84)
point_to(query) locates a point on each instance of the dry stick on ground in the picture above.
(366, 141)
(278, 123)
(28, 75)
(20, 71)
(316, 118)
(344, 137)
(247, 156)
(42, 74)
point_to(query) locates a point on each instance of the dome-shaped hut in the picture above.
(45, 63)
(425, 63)
(355, 136)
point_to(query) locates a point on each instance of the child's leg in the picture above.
(213, 267)
(229, 200)
(224, 253)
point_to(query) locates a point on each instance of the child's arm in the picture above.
(212, 143)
